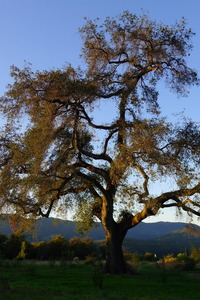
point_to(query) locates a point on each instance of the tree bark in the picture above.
(115, 263)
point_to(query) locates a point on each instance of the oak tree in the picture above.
(62, 157)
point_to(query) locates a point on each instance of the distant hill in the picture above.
(46, 228)
(160, 238)
(144, 231)
(49, 227)
(175, 242)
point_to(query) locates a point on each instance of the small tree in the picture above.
(64, 158)
(56, 247)
(22, 254)
(82, 247)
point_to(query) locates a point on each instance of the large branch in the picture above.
(175, 195)
(184, 204)
(101, 156)
(97, 205)
(152, 206)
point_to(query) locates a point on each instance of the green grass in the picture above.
(33, 281)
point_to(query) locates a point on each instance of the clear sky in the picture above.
(45, 33)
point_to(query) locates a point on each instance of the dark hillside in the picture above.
(51, 227)
(174, 243)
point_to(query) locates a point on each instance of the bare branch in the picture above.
(108, 139)
(101, 156)
(86, 117)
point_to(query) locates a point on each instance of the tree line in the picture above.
(57, 248)
(16, 247)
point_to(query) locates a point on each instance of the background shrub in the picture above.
(195, 254)
(181, 262)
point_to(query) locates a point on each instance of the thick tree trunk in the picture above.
(115, 233)
(115, 263)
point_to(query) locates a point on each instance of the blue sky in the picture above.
(45, 33)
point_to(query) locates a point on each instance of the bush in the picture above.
(40, 250)
(169, 259)
(195, 254)
(133, 258)
(90, 260)
(56, 247)
(182, 262)
(150, 256)
(82, 247)
(127, 255)
(182, 257)
(186, 262)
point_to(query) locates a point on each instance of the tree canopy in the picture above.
(62, 157)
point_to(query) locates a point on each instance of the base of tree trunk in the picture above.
(116, 269)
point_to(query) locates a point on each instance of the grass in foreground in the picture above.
(19, 280)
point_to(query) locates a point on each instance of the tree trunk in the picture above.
(115, 263)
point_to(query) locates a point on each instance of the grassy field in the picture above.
(19, 280)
